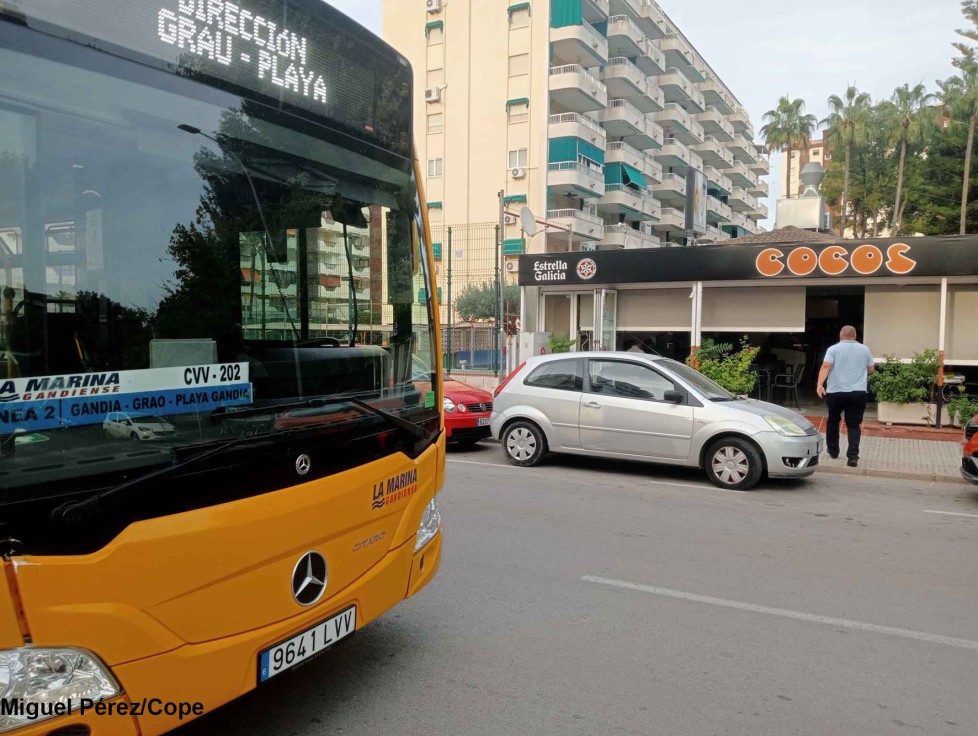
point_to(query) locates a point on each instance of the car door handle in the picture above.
(592, 405)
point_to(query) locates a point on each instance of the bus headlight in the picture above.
(430, 523)
(36, 681)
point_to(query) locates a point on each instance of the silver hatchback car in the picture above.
(640, 407)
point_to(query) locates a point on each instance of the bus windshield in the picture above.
(173, 254)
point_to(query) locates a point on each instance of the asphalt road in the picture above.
(584, 597)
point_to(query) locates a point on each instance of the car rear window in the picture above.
(562, 375)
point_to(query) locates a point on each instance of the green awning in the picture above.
(514, 198)
(436, 247)
(566, 13)
(429, 27)
(518, 101)
(434, 205)
(513, 247)
(635, 176)
(423, 295)
(517, 8)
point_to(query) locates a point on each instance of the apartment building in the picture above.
(818, 151)
(590, 112)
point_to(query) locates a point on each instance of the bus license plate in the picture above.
(279, 658)
(483, 422)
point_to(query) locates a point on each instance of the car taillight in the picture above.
(509, 378)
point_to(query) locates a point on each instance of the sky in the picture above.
(764, 49)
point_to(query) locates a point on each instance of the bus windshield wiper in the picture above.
(75, 512)
(408, 427)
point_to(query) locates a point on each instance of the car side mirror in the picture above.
(674, 397)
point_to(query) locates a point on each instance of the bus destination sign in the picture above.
(229, 34)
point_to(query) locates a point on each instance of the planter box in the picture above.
(920, 414)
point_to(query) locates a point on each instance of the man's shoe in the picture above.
(853, 463)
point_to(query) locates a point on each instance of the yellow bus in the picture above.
(216, 458)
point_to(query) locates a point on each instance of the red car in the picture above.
(467, 408)
(969, 463)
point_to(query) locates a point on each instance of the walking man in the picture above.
(843, 383)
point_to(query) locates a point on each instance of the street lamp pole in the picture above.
(501, 259)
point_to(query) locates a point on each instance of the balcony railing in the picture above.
(573, 69)
(576, 117)
(570, 214)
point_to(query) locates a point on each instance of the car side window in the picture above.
(562, 375)
(628, 380)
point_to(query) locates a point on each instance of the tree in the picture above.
(960, 95)
(908, 112)
(481, 302)
(787, 127)
(846, 125)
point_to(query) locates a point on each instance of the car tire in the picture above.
(134, 436)
(524, 444)
(734, 464)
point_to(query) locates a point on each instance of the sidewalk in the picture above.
(908, 459)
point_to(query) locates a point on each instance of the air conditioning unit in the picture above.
(434, 6)
(432, 94)
(518, 173)
(511, 219)
(512, 266)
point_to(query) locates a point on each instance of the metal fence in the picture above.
(470, 267)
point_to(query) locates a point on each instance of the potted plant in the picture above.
(730, 369)
(905, 391)
(560, 344)
(962, 408)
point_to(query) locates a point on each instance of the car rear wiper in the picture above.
(75, 512)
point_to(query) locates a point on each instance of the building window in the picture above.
(519, 113)
(435, 167)
(816, 152)
(518, 159)
(436, 122)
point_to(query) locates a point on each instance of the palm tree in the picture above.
(846, 124)
(959, 95)
(908, 109)
(788, 127)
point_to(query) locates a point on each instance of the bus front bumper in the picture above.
(216, 672)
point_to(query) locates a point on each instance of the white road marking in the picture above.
(703, 487)
(785, 613)
(952, 513)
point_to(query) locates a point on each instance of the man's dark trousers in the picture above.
(853, 405)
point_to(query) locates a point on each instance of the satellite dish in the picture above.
(528, 221)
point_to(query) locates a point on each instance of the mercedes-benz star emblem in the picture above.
(309, 578)
(303, 464)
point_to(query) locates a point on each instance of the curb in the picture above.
(894, 474)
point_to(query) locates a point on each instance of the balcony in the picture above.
(716, 234)
(674, 155)
(761, 213)
(620, 199)
(574, 179)
(595, 11)
(625, 38)
(655, 98)
(716, 95)
(631, 8)
(740, 201)
(671, 219)
(760, 189)
(574, 125)
(741, 176)
(741, 122)
(624, 237)
(714, 153)
(623, 120)
(651, 60)
(678, 52)
(678, 89)
(717, 211)
(715, 123)
(578, 44)
(680, 124)
(584, 228)
(574, 89)
(671, 191)
(653, 20)
(620, 152)
(761, 166)
(625, 81)
(718, 180)
(743, 149)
